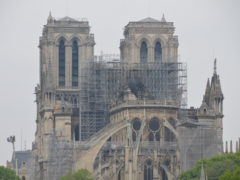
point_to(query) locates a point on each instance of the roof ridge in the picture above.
(149, 19)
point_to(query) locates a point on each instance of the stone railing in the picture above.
(145, 103)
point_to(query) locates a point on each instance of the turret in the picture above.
(216, 95)
(149, 40)
(213, 95)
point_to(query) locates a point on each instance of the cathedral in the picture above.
(122, 117)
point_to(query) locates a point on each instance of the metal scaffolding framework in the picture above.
(103, 82)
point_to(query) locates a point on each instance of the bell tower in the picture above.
(65, 46)
(149, 40)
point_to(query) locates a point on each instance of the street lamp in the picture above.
(12, 140)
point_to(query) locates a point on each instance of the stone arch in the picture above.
(170, 127)
(162, 40)
(59, 38)
(144, 52)
(136, 124)
(172, 121)
(154, 124)
(87, 157)
(145, 38)
(163, 171)
(75, 38)
(169, 136)
(148, 169)
(154, 127)
(158, 52)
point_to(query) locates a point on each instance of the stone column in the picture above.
(236, 146)
(134, 53)
(226, 148)
(171, 53)
(164, 53)
(231, 150)
(127, 169)
(150, 54)
(155, 165)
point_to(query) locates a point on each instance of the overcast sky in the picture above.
(206, 29)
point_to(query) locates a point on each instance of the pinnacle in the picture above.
(215, 66)
(163, 19)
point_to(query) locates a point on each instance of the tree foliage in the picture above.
(6, 173)
(82, 174)
(223, 165)
(231, 176)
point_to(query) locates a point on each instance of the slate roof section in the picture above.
(149, 19)
(67, 18)
(23, 157)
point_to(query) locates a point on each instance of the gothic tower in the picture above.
(211, 110)
(64, 46)
(149, 40)
(122, 119)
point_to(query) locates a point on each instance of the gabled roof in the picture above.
(149, 19)
(67, 18)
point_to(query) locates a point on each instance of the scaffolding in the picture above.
(104, 80)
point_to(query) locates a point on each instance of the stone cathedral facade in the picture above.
(122, 118)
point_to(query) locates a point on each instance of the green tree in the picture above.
(82, 174)
(229, 176)
(226, 176)
(215, 168)
(8, 174)
(236, 174)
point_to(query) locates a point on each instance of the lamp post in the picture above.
(12, 140)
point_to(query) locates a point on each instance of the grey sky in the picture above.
(206, 29)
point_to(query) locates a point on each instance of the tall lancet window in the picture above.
(61, 72)
(158, 52)
(143, 52)
(148, 170)
(75, 64)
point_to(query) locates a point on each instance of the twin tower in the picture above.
(66, 43)
(124, 118)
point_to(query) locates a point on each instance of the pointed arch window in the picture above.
(148, 170)
(61, 72)
(158, 52)
(75, 63)
(143, 52)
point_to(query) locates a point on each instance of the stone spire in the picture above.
(215, 94)
(237, 146)
(50, 18)
(215, 79)
(226, 148)
(163, 19)
(231, 150)
(215, 66)
(207, 93)
(202, 176)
